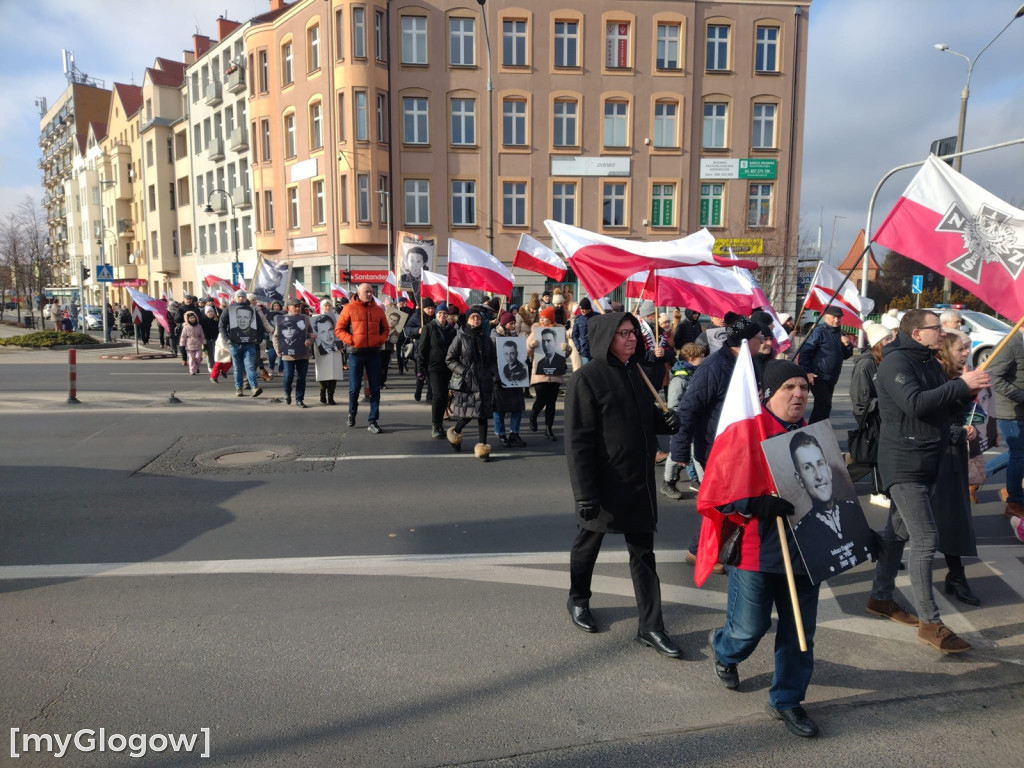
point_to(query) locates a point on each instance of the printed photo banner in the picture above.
(512, 365)
(548, 357)
(416, 253)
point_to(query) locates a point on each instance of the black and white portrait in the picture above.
(270, 282)
(242, 324)
(292, 332)
(323, 333)
(548, 358)
(511, 354)
(829, 525)
(417, 254)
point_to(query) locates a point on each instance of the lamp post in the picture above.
(385, 215)
(964, 95)
(236, 274)
(490, 134)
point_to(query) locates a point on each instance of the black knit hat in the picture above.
(778, 372)
(427, 302)
(765, 320)
(739, 329)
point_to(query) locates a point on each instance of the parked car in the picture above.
(93, 319)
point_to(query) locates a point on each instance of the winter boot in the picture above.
(669, 489)
(482, 451)
(455, 439)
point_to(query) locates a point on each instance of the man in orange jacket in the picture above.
(363, 328)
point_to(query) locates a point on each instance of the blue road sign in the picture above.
(237, 272)
(104, 273)
(917, 284)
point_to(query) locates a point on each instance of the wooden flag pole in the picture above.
(791, 581)
(657, 397)
(999, 348)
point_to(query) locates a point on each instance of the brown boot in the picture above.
(973, 489)
(890, 609)
(1013, 509)
(942, 637)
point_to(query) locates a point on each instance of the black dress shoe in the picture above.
(351, 420)
(660, 642)
(533, 421)
(958, 587)
(582, 617)
(727, 673)
(797, 721)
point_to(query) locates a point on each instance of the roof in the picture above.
(854, 256)
(130, 96)
(167, 72)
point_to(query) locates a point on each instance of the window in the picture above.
(615, 119)
(414, 39)
(359, 33)
(293, 208)
(414, 119)
(264, 69)
(171, 185)
(667, 56)
(341, 117)
(613, 205)
(378, 35)
(362, 130)
(246, 232)
(213, 237)
(313, 48)
(718, 48)
(319, 207)
(316, 126)
(462, 42)
(567, 44)
(339, 33)
(513, 197)
(759, 206)
(463, 203)
(223, 237)
(265, 139)
(321, 279)
(766, 49)
(363, 197)
(155, 240)
(464, 121)
(714, 126)
(382, 186)
(763, 135)
(149, 153)
(200, 195)
(286, 64)
(563, 202)
(152, 197)
(417, 202)
(666, 120)
(343, 198)
(616, 41)
(711, 196)
(513, 123)
(268, 210)
(513, 43)
(662, 196)
(289, 135)
(382, 112)
(565, 124)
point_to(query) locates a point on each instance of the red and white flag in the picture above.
(602, 263)
(157, 306)
(536, 257)
(218, 289)
(780, 338)
(476, 269)
(337, 292)
(711, 290)
(736, 467)
(636, 286)
(960, 230)
(818, 298)
(306, 296)
(848, 298)
(436, 287)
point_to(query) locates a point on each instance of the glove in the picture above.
(767, 507)
(586, 509)
(421, 375)
(671, 419)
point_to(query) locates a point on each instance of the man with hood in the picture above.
(611, 420)
(688, 330)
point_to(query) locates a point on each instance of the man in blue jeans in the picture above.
(1007, 370)
(241, 326)
(363, 327)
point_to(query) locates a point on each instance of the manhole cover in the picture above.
(247, 457)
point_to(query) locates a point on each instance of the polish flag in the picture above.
(636, 286)
(711, 290)
(818, 298)
(780, 338)
(602, 263)
(960, 230)
(476, 269)
(306, 296)
(536, 257)
(736, 467)
(390, 286)
(436, 287)
(218, 289)
(157, 306)
(848, 297)
(337, 292)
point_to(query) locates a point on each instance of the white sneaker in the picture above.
(1018, 527)
(880, 500)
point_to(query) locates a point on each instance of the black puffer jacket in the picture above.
(472, 355)
(434, 343)
(919, 410)
(610, 424)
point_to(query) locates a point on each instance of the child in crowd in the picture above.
(689, 356)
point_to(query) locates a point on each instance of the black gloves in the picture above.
(670, 419)
(587, 509)
(767, 507)
(421, 375)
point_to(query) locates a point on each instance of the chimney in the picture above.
(201, 44)
(276, 5)
(225, 27)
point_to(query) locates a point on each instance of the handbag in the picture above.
(729, 551)
(457, 383)
(862, 442)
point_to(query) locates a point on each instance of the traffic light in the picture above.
(85, 274)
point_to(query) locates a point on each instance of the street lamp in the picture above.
(490, 134)
(236, 275)
(943, 48)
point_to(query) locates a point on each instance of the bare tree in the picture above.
(10, 261)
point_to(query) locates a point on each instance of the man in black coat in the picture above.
(688, 330)
(822, 355)
(610, 425)
(434, 341)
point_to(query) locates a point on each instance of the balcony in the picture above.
(124, 228)
(219, 205)
(216, 150)
(241, 197)
(212, 94)
(236, 80)
(239, 139)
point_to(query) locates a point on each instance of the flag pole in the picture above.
(791, 581)
(999, 347)
(657, 397)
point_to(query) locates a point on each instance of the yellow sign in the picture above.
(741, 246)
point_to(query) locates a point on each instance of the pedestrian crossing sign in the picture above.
(104, 273)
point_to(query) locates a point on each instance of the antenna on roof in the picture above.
(73, 73)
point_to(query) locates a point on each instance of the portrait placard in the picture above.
(242, 324)
(416, 254)
(548, 357)
(323, 333)
(270, 283)
(511, 353)
(292, 332)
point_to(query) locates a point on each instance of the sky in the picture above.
(878, 92)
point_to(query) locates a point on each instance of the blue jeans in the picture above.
(748, 616)
(243, 358)
(1012, 431)
(295, 370)
(368, 361)
(997, 464)
(584, 360)
(275, 362)
(514, 420)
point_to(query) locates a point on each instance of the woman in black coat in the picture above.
(471, 356)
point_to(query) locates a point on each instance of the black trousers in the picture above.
(437, 390)
(642, 569)
(547, 398)
(822, 391)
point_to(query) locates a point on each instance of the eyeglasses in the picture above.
(625, 334)
(929, 328)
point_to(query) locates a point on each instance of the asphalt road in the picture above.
(381, 601)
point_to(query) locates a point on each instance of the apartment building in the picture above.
(84, 208)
